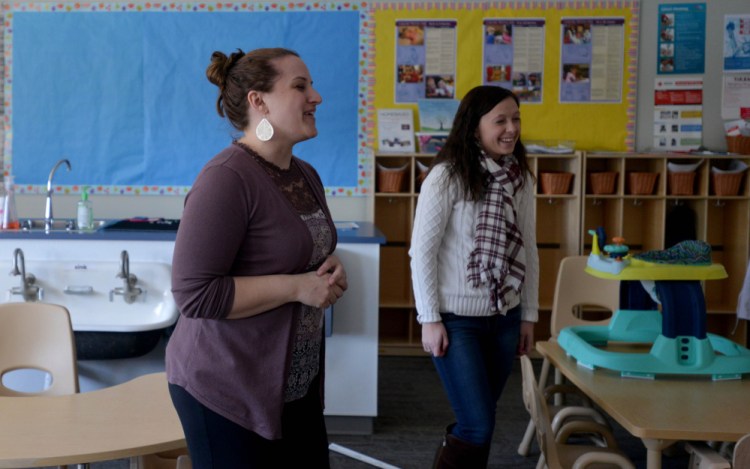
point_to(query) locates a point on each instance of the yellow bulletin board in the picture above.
(606, 126)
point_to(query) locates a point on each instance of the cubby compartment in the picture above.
(557, 176)
(727, 225)
(395, 278)
(643, 224)
(684, 219)
(605, 213)
(422, 166)
(392, 174)
(686, 177)
(394, 218)
(644, 176)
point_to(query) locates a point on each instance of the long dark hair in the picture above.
(461, 150)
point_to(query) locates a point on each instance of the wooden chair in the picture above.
(557, 453)
(741, 455)
(38, 336)
(176, 459)
(183, 462)
(573, 290)
(703, 456)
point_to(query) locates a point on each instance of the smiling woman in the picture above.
(253, 271)
(476, 203)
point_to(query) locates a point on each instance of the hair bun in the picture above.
(220, 66)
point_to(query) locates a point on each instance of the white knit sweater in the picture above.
(443, 238)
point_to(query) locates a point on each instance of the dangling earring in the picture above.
(264, 130)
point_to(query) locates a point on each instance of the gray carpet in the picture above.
(413, 411)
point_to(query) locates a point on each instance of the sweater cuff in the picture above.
(428, 318)
(530, 315)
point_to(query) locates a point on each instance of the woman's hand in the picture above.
(434, 338)
(333, 266)
(526, 339)
(318, 291)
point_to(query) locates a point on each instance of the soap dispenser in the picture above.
(85, 211)
(10, 215)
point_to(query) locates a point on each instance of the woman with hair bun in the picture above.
(252, 273)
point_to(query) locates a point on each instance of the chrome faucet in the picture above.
(129, 291)
(28, 289)
(48, 217)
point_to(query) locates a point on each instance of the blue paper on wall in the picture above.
(124, 95)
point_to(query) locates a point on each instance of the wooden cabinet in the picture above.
(639, 201)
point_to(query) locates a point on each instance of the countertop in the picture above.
(155, 230)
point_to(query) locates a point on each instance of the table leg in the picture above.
(654, 448)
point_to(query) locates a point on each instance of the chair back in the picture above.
(537, 405)
(38, 336)
(741, 455)
(576, 288)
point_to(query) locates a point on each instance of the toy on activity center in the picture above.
(677, 335)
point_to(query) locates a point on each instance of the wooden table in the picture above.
(131, 419)
(664, 410)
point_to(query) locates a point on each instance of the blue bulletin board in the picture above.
(120, 90)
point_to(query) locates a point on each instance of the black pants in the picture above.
(215, 442)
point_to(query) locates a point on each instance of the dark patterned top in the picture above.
(306, 353)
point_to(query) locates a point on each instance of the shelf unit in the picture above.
(394, 215)
(557, 237)
(563, 221)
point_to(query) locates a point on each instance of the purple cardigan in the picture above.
(236, 222)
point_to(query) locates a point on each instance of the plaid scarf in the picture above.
(498, 256)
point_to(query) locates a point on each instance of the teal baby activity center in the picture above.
(680, 344)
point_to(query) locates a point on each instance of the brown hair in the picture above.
(461, 150)
(240, 73)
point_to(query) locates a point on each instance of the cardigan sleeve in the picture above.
(433, 213)
(212, 230)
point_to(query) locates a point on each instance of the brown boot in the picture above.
(455, 453)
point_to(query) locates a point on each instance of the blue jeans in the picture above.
(475, 368)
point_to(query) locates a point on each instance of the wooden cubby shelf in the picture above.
(643, 204)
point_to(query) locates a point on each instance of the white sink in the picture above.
(86, 289)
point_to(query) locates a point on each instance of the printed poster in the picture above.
(514, 56)
(396, 131)
(737, 43)
(682, 38)
(593, 58)
(735, 96)
(425, 60)
(678, 113)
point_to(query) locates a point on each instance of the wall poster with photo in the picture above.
(682, 38)
(592, 59)
(425, 60)
(514, 56)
